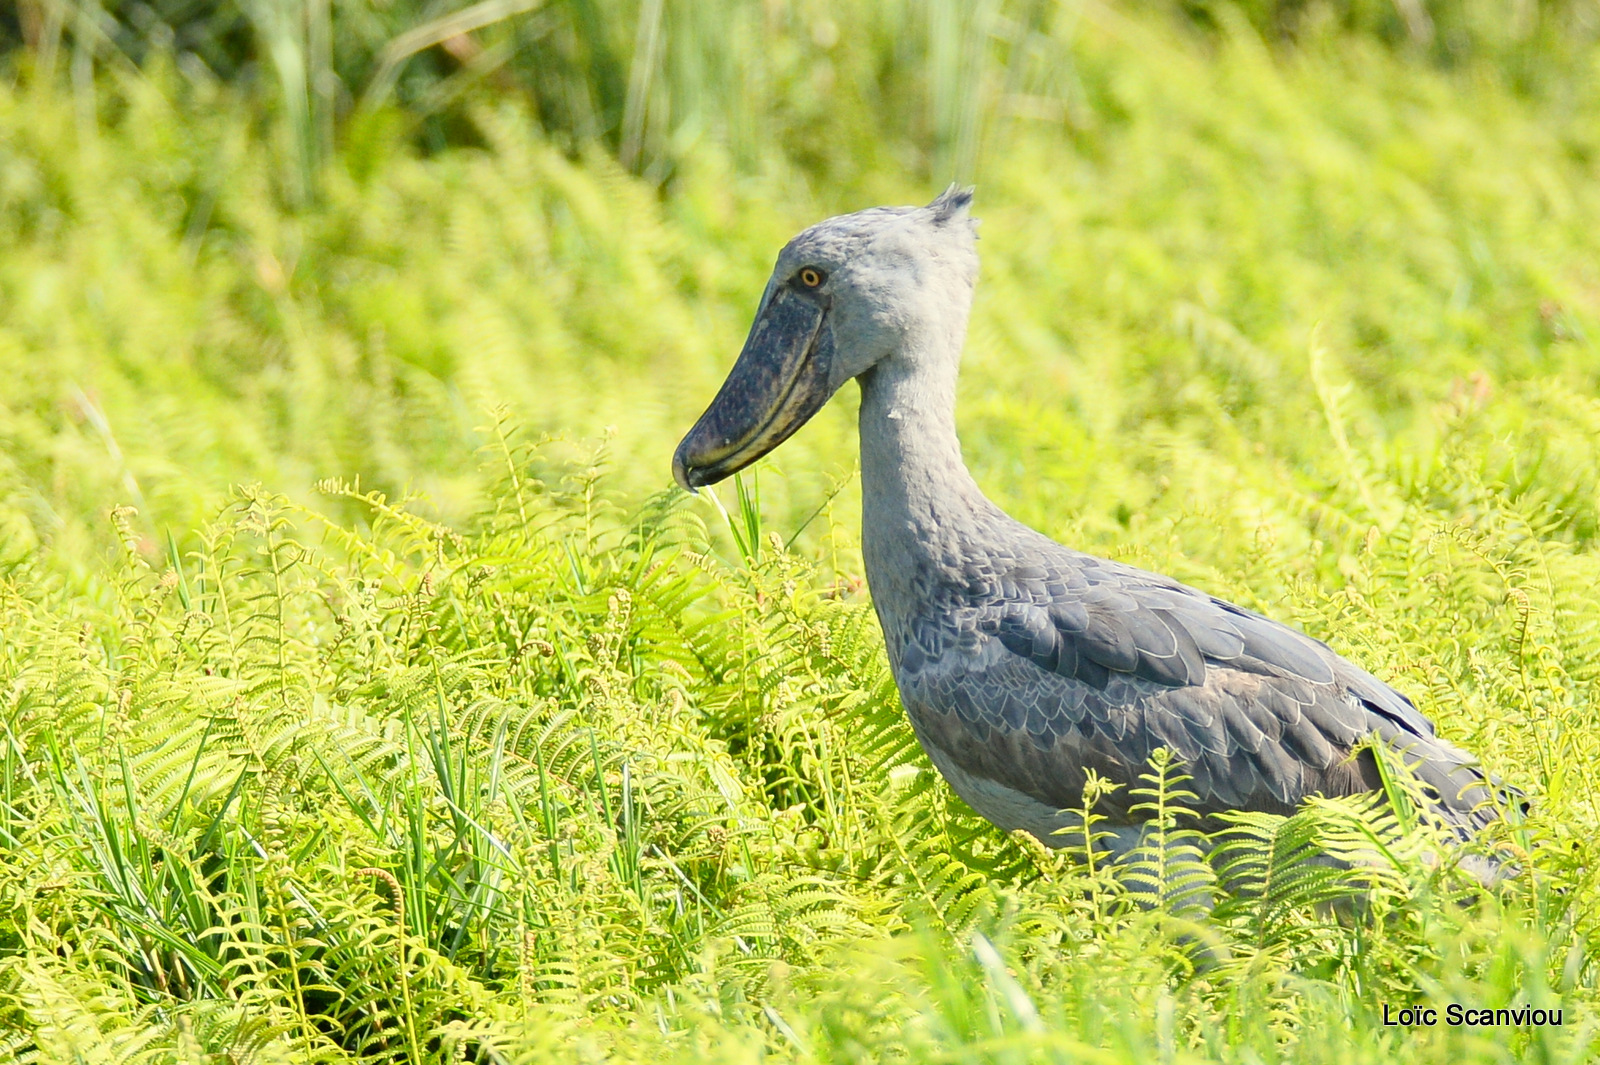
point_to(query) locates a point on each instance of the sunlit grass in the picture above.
(511, 750)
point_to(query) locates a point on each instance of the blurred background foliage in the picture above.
(654, 82)
(240, 243)
(1296, 302)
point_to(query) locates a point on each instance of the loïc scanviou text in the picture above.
(1456, 1015)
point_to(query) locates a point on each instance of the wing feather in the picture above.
(1068, 662)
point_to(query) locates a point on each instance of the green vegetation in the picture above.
(456, 734)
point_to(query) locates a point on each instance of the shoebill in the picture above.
(1024, 664)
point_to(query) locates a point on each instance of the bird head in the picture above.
(845, 295)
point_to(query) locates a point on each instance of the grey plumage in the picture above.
(1046, 668)
(1023, 664)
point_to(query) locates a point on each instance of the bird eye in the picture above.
(811, 277)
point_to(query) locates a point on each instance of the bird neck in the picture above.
(921, 510)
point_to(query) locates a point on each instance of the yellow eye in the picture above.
(810, 277)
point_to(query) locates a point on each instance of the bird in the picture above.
(1024, 665)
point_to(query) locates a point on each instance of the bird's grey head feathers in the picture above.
(846, 294)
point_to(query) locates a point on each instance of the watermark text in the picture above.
(1458, 1016)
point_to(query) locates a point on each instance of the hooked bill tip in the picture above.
(683, 473)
